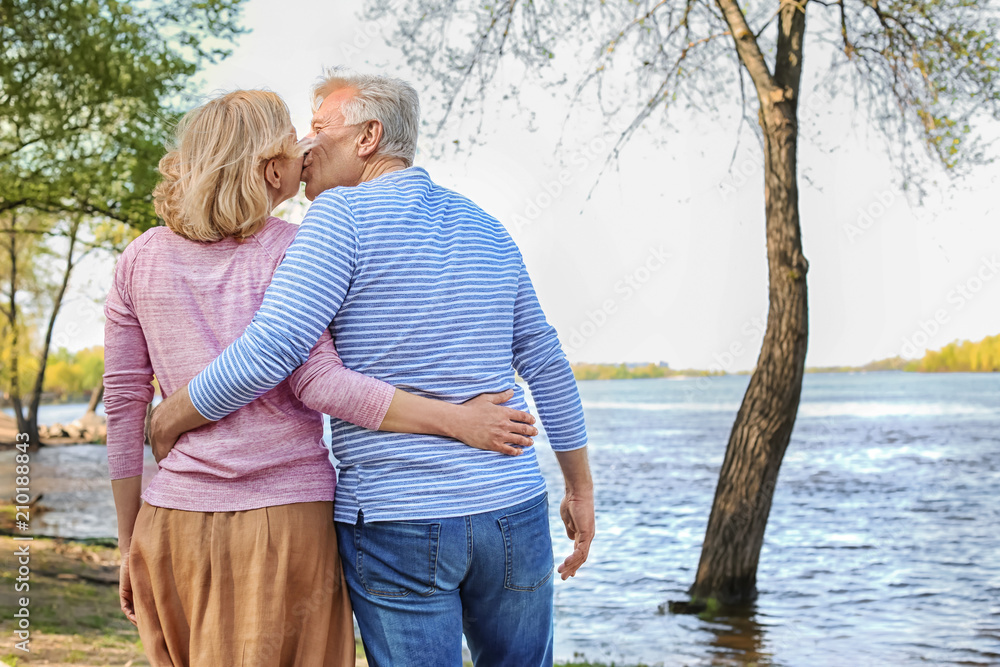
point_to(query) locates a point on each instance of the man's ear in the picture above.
(370, 138)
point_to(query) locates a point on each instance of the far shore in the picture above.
(623, 371)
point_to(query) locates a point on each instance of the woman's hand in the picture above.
(482, 422)
(125, 591)
(127, 504)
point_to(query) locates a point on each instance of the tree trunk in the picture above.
(24, 425)
(727, 571)
(36, 392)
(95, 398)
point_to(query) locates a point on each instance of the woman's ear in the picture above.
(271, 174)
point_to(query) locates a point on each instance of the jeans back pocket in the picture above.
(395, 558)
(528, 546)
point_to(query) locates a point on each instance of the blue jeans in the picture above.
(416, 586)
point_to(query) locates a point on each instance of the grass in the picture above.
(74, 621)
(7, 517)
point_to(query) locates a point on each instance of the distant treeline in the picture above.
(959, 357)
(77, 373)
(890, 364)
(964, 357)
(626, 372)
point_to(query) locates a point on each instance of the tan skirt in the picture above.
(259, 588)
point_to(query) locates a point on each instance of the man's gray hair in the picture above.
(392, 102)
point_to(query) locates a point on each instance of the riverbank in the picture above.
(88, 429)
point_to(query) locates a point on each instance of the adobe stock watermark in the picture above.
(740, 176)
(83, 312)
(365, 34)
(752, 333)
(266, 646)
(749, 166)
(957, 298)
(870, 214)
(627, 287)
(553, 188)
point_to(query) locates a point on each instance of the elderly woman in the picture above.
(233, 558)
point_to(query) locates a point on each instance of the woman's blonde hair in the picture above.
(213, 183)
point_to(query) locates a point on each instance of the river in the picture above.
(882, 548)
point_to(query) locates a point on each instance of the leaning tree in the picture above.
(926, 71)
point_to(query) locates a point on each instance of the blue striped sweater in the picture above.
(424, 290)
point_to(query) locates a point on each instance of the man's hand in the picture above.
(171, 419)
(577, 512)
(577, 508)
(125, 591)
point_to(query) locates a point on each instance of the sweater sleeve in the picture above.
(539, 359)
(128, 376)
(324, 384)
(305, 293)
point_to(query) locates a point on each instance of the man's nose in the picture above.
(306, 144)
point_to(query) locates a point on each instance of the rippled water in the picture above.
(883, 545)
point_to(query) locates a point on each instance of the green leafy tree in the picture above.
(88, 93)
(925, 70)
(964, 357)
(69, 373)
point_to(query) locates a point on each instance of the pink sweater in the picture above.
(174, 306)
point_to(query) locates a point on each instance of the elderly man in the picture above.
(424, 290)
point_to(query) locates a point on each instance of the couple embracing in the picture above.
(400, 309)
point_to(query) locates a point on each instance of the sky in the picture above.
(665, 260)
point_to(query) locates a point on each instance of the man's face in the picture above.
(332, 159)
